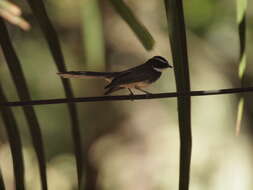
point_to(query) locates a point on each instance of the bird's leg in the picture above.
(131, 93)
(146, 92)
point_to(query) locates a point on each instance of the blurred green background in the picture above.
(135, 144)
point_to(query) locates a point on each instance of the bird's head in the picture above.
(159, 63)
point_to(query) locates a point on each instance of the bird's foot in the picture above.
(131, 94)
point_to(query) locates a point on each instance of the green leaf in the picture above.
(239, 115)
(15, 144)
(93, 34)
(23, 93)
(138, 28)
(241, 21)
(242, 66)
(177, 35)
(50, 34)
(241, 9)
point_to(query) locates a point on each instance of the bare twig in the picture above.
(127, 97)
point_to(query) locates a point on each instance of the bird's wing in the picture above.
(134, 76)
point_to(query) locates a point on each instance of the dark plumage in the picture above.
(137, 77)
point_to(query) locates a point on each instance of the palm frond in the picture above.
(177, 35)
(23, 93)
(50, 34)
(241, 21)
(15, 144)
(138, 28)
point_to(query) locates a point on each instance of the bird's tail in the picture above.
(87, 74)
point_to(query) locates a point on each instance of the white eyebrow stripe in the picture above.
(157, 69)
(160, 59)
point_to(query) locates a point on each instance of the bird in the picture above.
(138, 77)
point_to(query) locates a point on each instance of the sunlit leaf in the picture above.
(239, 115)
(241, 9)
(12, 13)
(242, 66)
(10, 7)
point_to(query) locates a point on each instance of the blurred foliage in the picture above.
(138, 28)
(134, 145)
(93, 34)
(12, 13)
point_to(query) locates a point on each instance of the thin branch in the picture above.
(127, 97)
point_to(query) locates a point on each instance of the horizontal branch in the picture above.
(128, 97)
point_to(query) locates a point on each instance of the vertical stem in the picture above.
(177, 35)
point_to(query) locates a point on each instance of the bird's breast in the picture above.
(136, 84)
